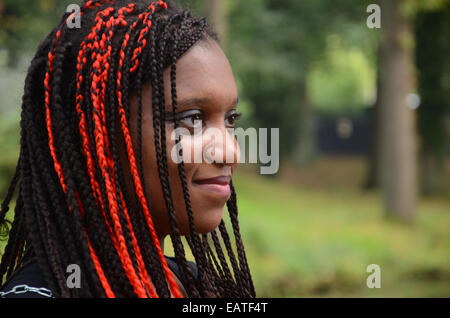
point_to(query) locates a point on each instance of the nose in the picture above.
(221, 147)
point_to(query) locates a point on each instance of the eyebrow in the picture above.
(184, 103)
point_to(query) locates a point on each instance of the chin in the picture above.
(209, 219)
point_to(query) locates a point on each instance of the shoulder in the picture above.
(174, 267)
(27, 282)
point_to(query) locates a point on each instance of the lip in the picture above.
(219, 185)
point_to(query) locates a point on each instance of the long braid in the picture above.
(140, 230)
(9, 194)
(138, 256)
(8, 255)
(139, 141)
(105, 166)
(30, 173)
(63, 143)
(159, 140)
(216, 270)
(66, 227)
(231, 256)
(232, 208)
(196, 244)
(98, 187)
(228, 278)
(73, 196)
(34, 233)
(135, 175)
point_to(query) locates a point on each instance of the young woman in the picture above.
(98, 187)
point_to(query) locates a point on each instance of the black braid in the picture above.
(232, 208)
(160, 285)
(196, 244)
(9, 193)
(156, 271)
(159, 139)
(119, 177)
(70, 157)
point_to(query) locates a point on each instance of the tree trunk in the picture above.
(432, 172)
(398, 140)
(305, 150)
(374, 160)
(218, 17)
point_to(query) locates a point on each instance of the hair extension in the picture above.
(195, 244)
(9, 194)
(72, 203)
(135, 175)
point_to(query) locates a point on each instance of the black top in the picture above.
(30, 277)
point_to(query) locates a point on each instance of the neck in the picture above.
(161, 242)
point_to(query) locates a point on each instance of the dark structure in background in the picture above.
(343, 135)
(431, 54)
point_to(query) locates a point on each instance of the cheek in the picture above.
(192, 146)
(207, 213)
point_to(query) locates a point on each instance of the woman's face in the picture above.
(206, 91)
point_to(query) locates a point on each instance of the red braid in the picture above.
(138, 50)
(100, 53)
(132, 160)
(82, 128)
(104, 61)
(141, 264)
(48, 119)
(56, 163)
(101, 146)
(100, 273)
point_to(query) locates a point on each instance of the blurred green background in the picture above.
(364, 119)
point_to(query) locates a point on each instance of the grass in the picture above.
(314, 241)
(305, 241)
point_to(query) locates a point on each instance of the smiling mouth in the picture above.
(218, 185)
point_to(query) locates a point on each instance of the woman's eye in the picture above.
(190, 119)
(193, 120)
(230, 121)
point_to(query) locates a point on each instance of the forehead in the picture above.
(204, 72)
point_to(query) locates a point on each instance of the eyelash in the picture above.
(169, 117)
(235, 117)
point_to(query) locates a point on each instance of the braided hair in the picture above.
(72, 204)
